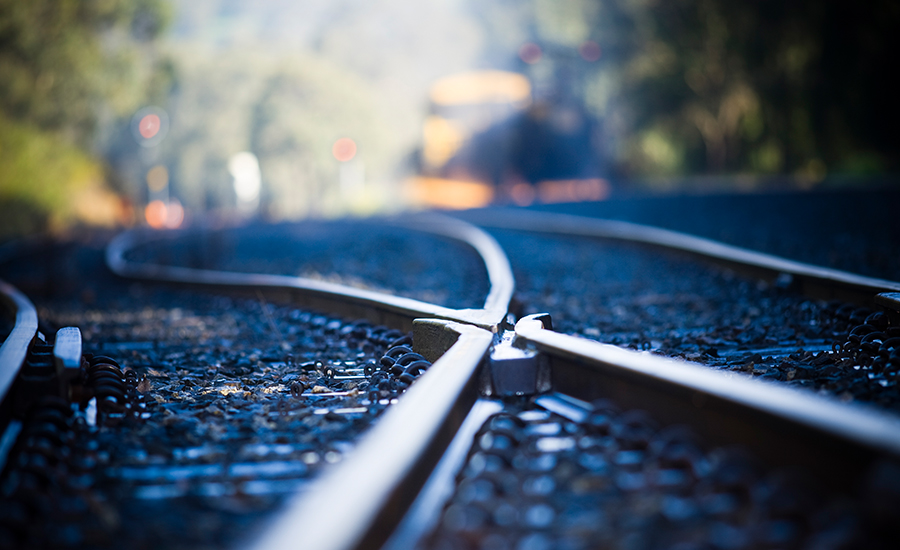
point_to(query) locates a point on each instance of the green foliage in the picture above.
(287, 109)
(65, 64)
(284, 80)
(732, 86)
(40, 174)
(304, 108)
(62, 60)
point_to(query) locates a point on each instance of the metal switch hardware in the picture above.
(516, 369)
(67, 357)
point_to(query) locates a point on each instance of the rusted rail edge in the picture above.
(359, 503)
(354, 302)
(812, 280)
(786, 427)
(15, 347)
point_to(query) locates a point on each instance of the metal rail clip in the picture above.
(517, 369)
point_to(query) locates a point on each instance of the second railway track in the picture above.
(576, 443)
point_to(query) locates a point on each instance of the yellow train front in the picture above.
(487, 140)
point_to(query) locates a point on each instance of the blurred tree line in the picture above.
(692, 87)
(287, 108)
(69, 70)
(285, 81)
(680, 88)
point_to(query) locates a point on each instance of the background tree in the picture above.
(694, 87)
(68, 68)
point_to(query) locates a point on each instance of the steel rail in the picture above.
(837, 443)
(378, 307)
(13, 353)
(358, 503)
(380, 479)
(423, 513)
(785, 426)
(15, 347)
(502, 285)
(812, 280)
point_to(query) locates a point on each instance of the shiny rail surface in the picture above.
(783, 425)
(377, 307)
(13, 353)
(839, 445)
(15, 347)
(779, 422)
(812, 280)
(358, 503)
(377, 483)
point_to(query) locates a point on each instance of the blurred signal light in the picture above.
(157, 178)
(156, 214)
(149, 126)
(161, 215)
(244, 168)
(344, 149)
(174, 214)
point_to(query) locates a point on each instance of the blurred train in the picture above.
(486, 140)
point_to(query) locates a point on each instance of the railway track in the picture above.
(503, 433)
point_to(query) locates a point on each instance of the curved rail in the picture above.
(13, 353)
(768, 416)
(15, 347)
(813, 280)
(839, 444)
(379, 481)
(781, 423)
(376, 306)
(499, 272)
(357, 504)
